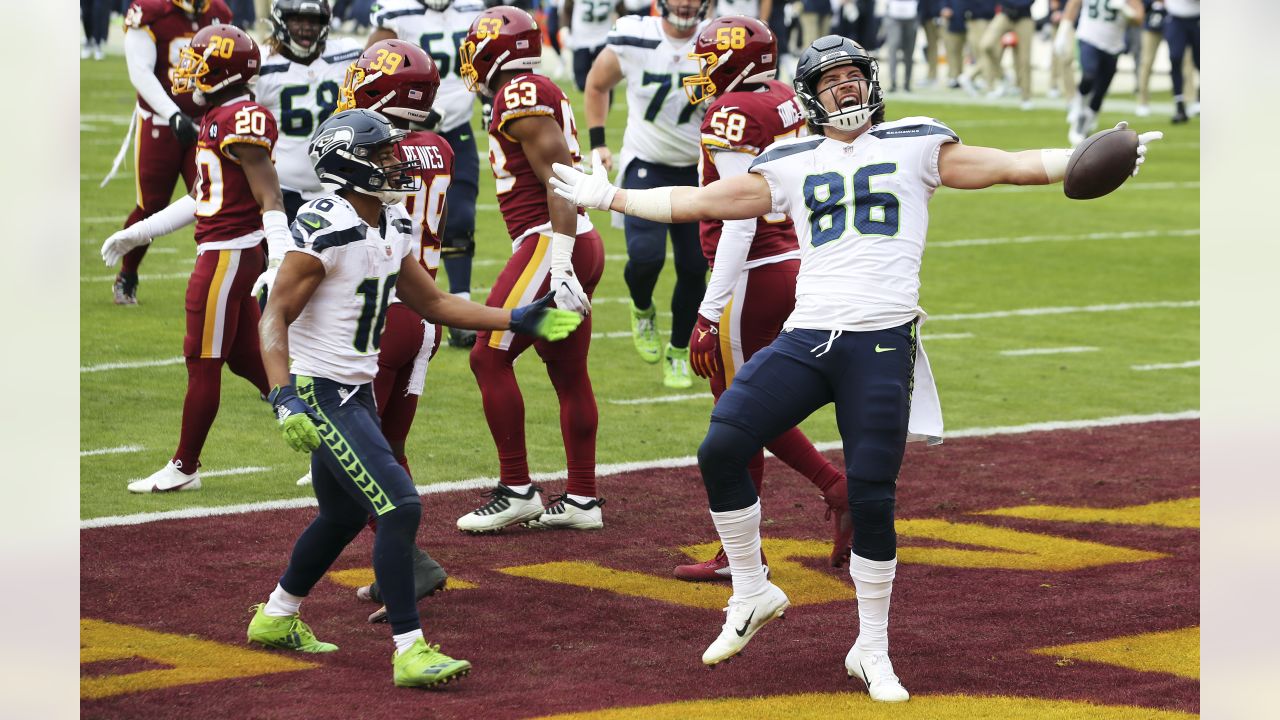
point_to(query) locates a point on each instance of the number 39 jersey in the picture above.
(662, 127)
(426, 207)
(747, 122)
(227, 214)
(521, 195)
(439, 33)
(301, 97)
(861, 215)
(338, 334)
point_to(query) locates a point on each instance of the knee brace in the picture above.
(871, 506)
(723, 457)
(458, 245)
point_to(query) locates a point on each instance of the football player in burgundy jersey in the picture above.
(399, 80)
(754, 262)
(166, 123)
(554, 247)
(235, 202)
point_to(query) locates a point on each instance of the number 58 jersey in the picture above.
(861, 213)
(338, 334)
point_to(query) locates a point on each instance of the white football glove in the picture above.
(569, 293)
(592, 190)
(1061, 40)
(266, 280)
(1143, 140)
(119, 244)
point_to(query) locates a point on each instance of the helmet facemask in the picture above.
(849, 116)
(682, 22)
(282, 13)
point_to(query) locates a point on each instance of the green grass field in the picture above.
(1139, 246)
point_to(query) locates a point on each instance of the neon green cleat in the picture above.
(644, 333)
(423, 665)
(675, 368)
(284, 633)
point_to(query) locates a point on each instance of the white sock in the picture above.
(281, 603)
(466, 295)
(520, 489)
(580, 499)
(740, 534)
(873, 580)
(404, 641)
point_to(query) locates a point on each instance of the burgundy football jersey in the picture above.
(748, 122)
(172, 30)
(225, 206)
(426, 206)
(521, 195)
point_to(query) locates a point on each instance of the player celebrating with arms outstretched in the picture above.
(553, 246)
(234, 202)
(858, 194)
(350, 250)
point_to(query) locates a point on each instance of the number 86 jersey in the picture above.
(227, 214)
(861, 216)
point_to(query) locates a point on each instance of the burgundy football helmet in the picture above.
(218, 56)
(501, 38)
(731, 51)
(393, 77)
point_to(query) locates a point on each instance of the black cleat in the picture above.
(464, 339)
(125, 289)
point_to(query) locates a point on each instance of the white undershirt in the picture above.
(140, 55)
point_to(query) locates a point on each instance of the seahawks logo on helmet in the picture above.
(345, 149)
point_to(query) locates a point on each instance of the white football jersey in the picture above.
(338, 333)
(748, 8)
(662, 127)
(861, 216)
(591, 22)
(439, 33)
(1183, 8)
(301, 97)
(1102, 25)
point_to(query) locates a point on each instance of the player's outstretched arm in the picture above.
(970, 167)
(178, 215)
(736, 198)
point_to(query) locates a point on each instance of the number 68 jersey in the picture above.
(227, 214)
(338, 334)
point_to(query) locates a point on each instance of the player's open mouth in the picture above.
(849, 101)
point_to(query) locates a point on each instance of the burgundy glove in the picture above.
(704, 348)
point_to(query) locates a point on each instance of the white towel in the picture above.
(925, 421)
(418, 378)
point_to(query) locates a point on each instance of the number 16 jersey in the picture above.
(861, 213)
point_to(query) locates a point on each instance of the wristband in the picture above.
(596, 135)
(276, 227)
(654, 204)
(1055, 163)
(562, 252)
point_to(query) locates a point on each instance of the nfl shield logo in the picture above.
(388, 249)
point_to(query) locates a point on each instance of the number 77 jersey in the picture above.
(861, 213)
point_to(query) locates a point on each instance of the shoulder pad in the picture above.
(911, 127)
(327, 222)
(386, 11)
(788, 147)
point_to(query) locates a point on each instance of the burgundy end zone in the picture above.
(540, 648)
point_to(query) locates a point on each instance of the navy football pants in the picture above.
(458, 242)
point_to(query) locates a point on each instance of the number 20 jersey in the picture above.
(338, 334)
(227, 213)
(861, 216)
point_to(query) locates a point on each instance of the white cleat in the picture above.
(167, 479)
(504, 508)
(1142, 111)
(874, 669)
(305, 480)
(564, 513)
(743, 618)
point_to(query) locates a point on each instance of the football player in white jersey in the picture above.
(1101, 39)
(299, 83)
(858, 193)
(588, 23)
(660, 147)
(350, 251)
(438, 26)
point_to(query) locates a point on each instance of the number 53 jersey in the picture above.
(861, 213)
(227, 214)
(338, 334)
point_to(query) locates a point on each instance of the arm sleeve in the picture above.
(140, 55)
(733, 247)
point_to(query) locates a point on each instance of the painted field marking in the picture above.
(1176, 652)
(227, 473)
(132, 365)
(112, 450)
(1125, 235)
(1047, 351)
(614, 469)
(1129, 187)
(1068, 310)
(1167, 366)
(112, 278)
(946, 336)
(660, 398)
(1183, 513)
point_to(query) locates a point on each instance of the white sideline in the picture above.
(112, 450)
(1168, 366)
(1047, 351)
(131, 365)
(605, 470)
(660, 399)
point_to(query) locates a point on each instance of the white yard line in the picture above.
(1168, 366)
(606, 470)
(1048, 351)
(132, 365)
(1068, 310)
(946, 336)
(112, 450)
(1128, 187)
(1126, 235)
(141, 278)
(660, 398)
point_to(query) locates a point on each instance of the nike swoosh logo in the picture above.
(743, 630)
(464, 138)
(883, 349)
(316, 224)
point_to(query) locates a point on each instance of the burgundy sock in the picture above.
(794, 449)
(204, 384)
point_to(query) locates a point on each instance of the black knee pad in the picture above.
(723, 457)
(458, 245)
(871, 505)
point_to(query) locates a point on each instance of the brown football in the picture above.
(1101, 164)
